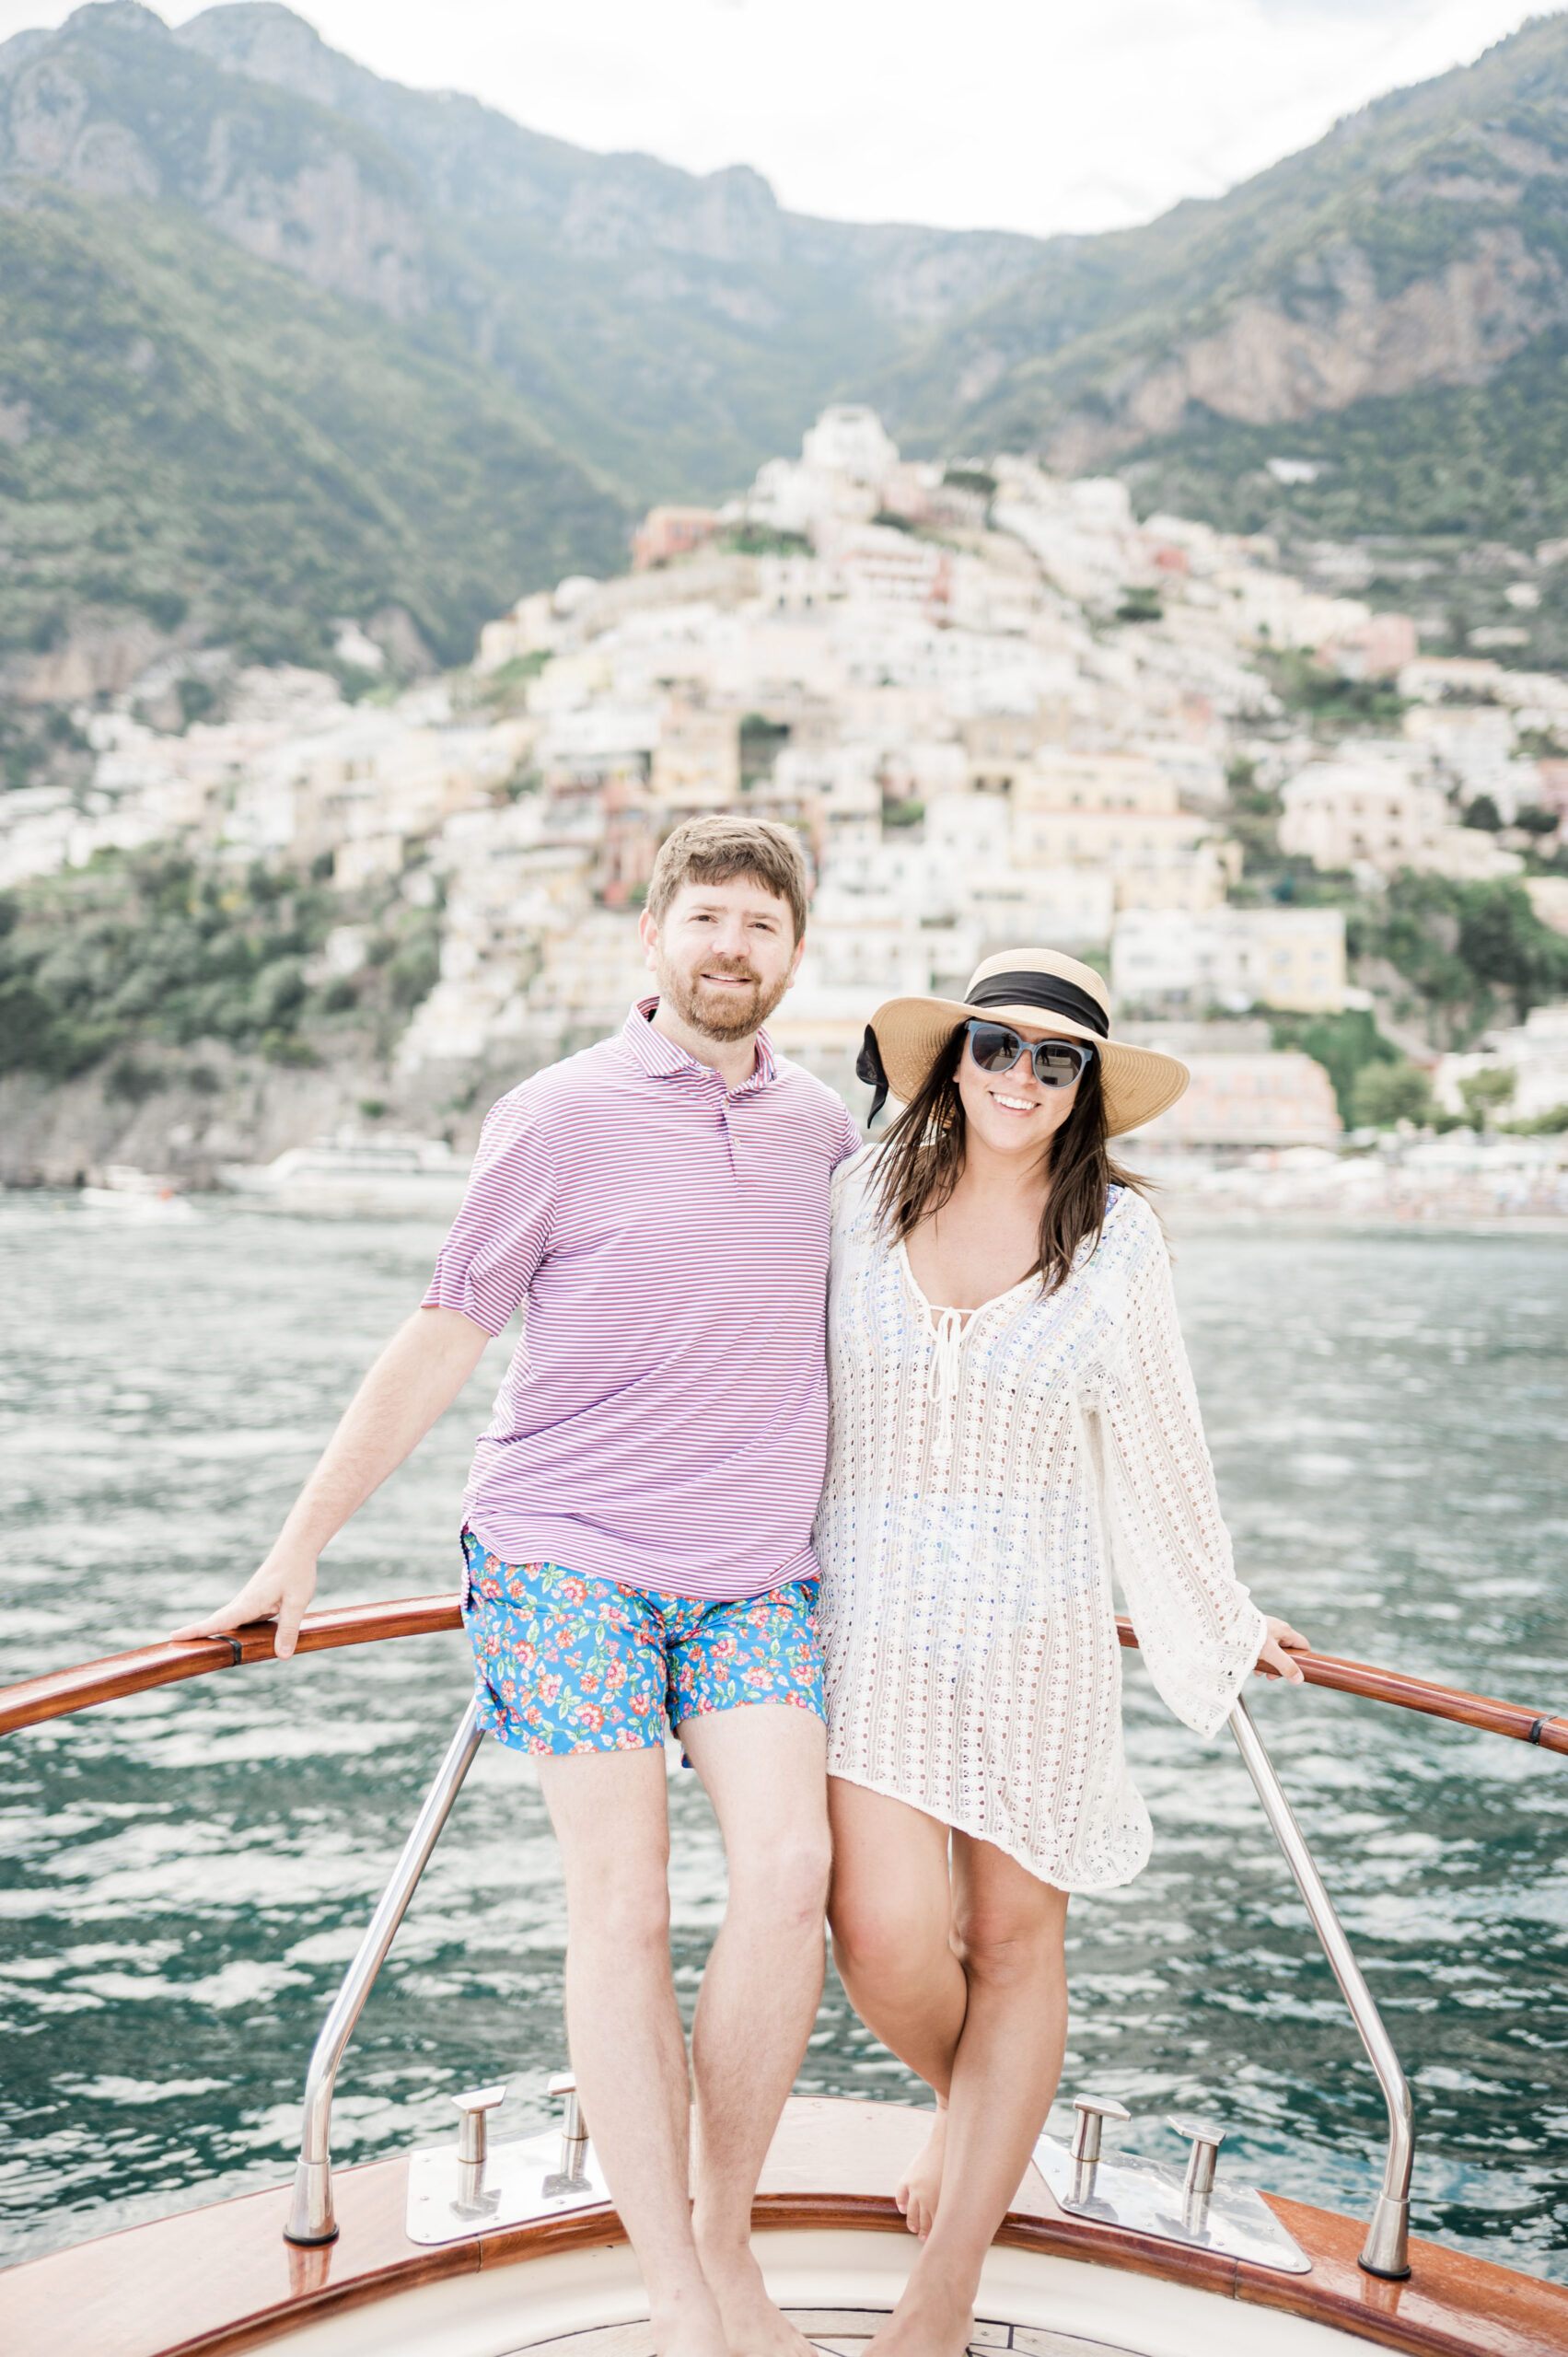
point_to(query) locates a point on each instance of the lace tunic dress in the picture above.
(986, 1476)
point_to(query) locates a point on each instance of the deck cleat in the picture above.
(1146, 2198)
(481, 2186)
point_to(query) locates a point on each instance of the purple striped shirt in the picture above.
(664, 1419)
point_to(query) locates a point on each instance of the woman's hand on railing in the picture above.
(279, 1588)
(1274, 1653)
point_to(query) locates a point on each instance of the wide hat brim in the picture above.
(1139, 1082)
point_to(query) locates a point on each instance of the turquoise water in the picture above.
(185, 1874)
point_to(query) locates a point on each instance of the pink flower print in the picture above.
(548, 1688)
(589, 1715)
(757, 1675)
(724, 1647)
(526, 1655)
(615, 1675)
(572, 1591)
(589, 1681)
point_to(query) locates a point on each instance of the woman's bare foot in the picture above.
(917, 2195)
(930, 2320)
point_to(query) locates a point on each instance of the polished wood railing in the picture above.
(60, 1691)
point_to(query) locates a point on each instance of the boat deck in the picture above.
(221, 2280)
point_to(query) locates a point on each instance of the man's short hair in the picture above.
(716, 849)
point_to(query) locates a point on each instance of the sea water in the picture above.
(183, 1875)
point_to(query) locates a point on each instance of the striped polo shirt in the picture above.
(664, 1418)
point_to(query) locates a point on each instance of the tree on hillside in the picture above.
(1469, 952)
(1346, 1045)
(1387, 1094)
(1485, 1093)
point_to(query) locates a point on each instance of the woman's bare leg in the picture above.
(890, 1907)
(1009, 1929)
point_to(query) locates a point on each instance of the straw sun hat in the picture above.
(1038, 987)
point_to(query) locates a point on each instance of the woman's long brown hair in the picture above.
(923, 1157)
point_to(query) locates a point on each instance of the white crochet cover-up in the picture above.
(986, 1477)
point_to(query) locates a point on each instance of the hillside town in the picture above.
(996, 706)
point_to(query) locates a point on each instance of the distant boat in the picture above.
(138, 1194)
(354, 1175)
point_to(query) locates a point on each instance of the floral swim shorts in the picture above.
(563, 1662)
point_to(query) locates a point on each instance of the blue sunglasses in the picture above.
(1057, 1064)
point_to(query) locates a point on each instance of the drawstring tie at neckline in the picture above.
(946, 1345)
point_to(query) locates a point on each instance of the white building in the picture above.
(1536, 1052)
(845, 458)
(1373, 805)
(1376, 807)
(1475, 745)
(1231, 958)
(850, 440)
(1276, 1099)
(1275, 610)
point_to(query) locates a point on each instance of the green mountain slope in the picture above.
(403, 350)
(195, 435)
(1421, 246)
(677, 330)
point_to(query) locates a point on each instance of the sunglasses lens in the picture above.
(1057, 1066)
(994, 1047)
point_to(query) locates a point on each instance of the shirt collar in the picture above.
(662, 1060)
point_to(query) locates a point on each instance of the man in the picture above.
(637, 1536)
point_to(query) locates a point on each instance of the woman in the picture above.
(1013, 1418)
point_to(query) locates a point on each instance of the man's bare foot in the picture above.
(686, 2322)
(753, 2326)
(930, 2320)
(917, 2195)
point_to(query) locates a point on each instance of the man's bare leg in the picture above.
(611, 1814)
(764, 1770)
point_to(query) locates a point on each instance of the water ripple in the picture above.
(185, 1873)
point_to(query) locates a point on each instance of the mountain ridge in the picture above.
(589, 334)
(1379, 258)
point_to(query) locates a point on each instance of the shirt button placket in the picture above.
(727, 1124)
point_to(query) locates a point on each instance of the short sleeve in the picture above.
(502, 1233)
(1197, 1627)
(849, 1140)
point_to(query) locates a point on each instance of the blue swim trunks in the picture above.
(566, 1664)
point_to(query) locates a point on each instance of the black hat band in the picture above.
(1049, 992)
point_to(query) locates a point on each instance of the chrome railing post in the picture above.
(1387, 2249)
(310, 2218)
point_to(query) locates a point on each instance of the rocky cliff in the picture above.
(1419, 248)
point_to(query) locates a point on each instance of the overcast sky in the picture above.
(1022, 115)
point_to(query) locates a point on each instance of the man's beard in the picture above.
(720, 1014)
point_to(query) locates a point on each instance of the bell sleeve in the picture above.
(1198, 1628)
